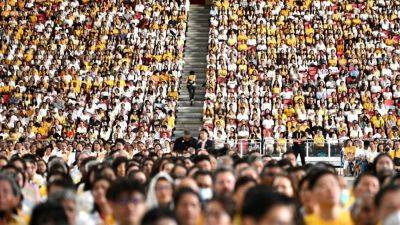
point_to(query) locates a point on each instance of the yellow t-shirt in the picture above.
(394, 154)
(343, 219)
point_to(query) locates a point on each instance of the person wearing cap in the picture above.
(183, 143)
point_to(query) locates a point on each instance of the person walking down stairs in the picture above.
(191, 86)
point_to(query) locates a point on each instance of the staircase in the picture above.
(190, 117)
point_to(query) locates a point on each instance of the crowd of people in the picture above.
(88, 98)
(192, 187)
(327, 68)
(84, 70)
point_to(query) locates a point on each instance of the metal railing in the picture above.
(330, 151)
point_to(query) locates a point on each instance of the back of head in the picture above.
(124, 186)
(154, 216)
(259, 200)
(49, 213)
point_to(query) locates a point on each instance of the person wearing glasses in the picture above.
(127, 200)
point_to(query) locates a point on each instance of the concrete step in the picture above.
(195, 64)
(186, 109)
(196, 98)
(199, 91)
(196, 50)
(197, 103)
(199, 84)
(194, 116)
(189, 121)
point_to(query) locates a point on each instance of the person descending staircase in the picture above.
(190, 114)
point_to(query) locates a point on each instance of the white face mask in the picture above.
(205, 193)
(392, 219)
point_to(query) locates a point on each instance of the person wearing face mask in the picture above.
(388, 205)
(204, 181)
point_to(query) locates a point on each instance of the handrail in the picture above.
(331, 149)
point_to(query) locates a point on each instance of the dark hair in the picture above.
(16, 190)
(118, 161)
(124, 185)
(58, 173)
(12, 171)
(284, 163)
(227, 203)
(15, 159)
(377, 158)
(201, 173)
(183, 191)
(154, 215)
(222, 170)
(241, 181)
(314, 176)
(385, 190)
(29, 158)
(287, 153)
(260, 199)
(199, 158)
(49, 213)
(64, 183)
(303, 180)
(361, 176)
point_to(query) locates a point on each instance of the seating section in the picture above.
(83, 70)
(277, 66)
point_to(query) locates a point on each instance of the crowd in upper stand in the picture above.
(88, 70)
(279, 66)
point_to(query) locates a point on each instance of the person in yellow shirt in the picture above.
(319, 144)
(349, 153)
(377, 120)
(325, 184)
(289, 111)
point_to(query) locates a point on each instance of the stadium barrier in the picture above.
(330, 152)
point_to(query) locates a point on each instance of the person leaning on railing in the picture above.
(319, 143)
(349, 152)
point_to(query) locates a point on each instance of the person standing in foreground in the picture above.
(325, 184)
(191, 86)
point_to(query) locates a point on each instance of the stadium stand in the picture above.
(83, 70)
(275, 67)
(90, 89)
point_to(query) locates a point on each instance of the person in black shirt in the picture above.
(183, 143)
(299, 144)
(204, 142)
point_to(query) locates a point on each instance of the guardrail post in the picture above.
(307, 148)
(329, 149)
